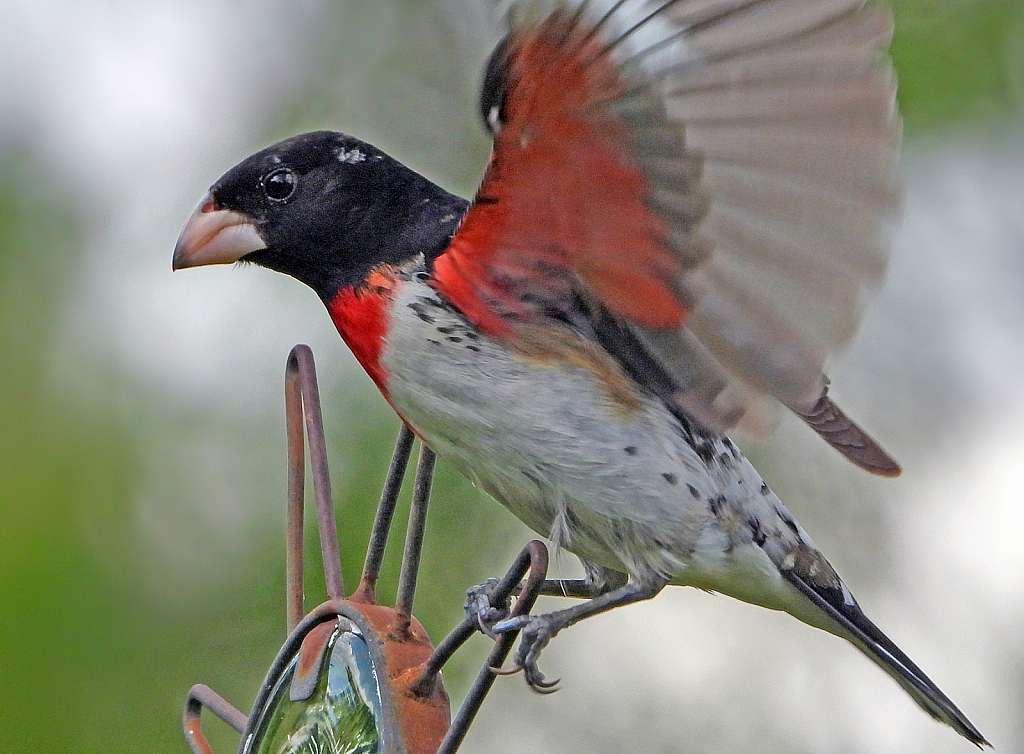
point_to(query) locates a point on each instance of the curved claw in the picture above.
(536, 633)
(484, 628)
(504, 671)
(540, 685)
(526, 658)
(534, 678)
(544, 684)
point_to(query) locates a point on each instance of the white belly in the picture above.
(626, 491)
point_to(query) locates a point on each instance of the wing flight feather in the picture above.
(720, 175)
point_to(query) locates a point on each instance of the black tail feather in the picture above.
(867, 637)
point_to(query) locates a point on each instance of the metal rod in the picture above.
(509, 583)
(294, 566)
(321, 476)
(424, 685)
(200, 696)
(366, 591)
(536, 555)
(577, 588)
(414, 540)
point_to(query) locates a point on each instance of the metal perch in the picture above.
(353, 660)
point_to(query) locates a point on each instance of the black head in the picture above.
(323, 207)
(494, 90)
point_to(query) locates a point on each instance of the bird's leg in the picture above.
(538, 630)
(596, 581)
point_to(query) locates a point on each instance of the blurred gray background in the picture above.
(141, 417)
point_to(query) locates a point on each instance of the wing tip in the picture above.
(889, 468)
(839, 431)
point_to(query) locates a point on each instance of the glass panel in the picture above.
(340, 717)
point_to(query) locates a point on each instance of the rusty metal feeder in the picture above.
(355, 675)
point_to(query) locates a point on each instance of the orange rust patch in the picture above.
(561, 204)
(424, 719)
(313, 647)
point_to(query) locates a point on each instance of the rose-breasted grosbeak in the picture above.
(685, 204)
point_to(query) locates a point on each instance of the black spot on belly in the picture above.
(429, 301)
(421, 311)
(671, 478)
(757, 535)
(631, 450)
(473, 348)
(716, 503)
(454, 339)
(704, 449)
(693, 490)
(788, 520)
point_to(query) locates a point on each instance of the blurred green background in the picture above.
(141, 414)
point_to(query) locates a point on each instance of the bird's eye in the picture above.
(279, 185)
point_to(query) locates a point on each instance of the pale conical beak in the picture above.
(215, 236)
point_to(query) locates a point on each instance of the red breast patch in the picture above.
(362, 315)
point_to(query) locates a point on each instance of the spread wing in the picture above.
(716, 177)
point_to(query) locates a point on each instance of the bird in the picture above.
(685, 208)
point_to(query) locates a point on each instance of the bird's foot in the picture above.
(537, 631)
(480, 606)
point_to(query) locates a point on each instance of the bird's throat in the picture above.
(362, 315)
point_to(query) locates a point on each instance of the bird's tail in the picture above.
(852, 624)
